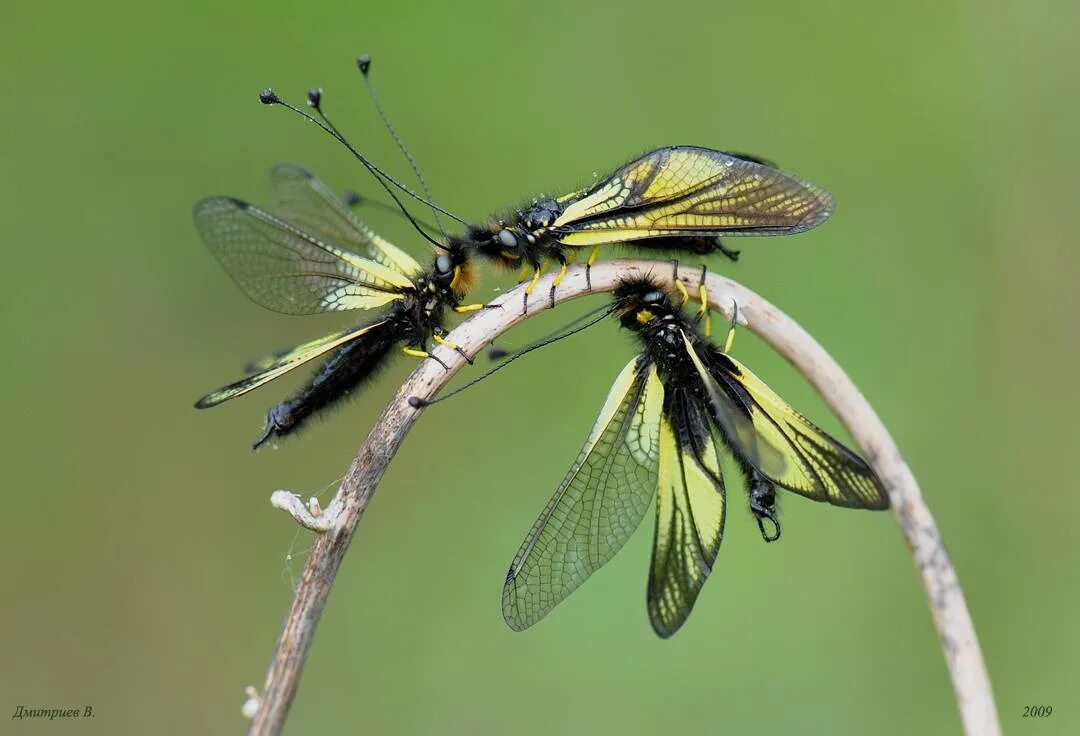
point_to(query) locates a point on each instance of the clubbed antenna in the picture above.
(269, 97)
(364, 63)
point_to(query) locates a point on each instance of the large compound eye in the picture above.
(653, 297)
(442, 265)
(507, 239)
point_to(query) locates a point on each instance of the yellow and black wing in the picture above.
(599, 504)
(690, 511)
(691, 192)
(283, 267)
(277, 365)
(784, 446)
(305, 201)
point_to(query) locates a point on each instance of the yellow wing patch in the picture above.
(304, 200)
(817, 466)
(279, 364)
(692, 191)
(285, 268)
(690, 512)
(784, 446)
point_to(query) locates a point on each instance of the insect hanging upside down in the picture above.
(678, 412)
(673, 199)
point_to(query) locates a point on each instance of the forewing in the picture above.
(280, 363)
(689, 191)
(690, 511)
(287, 269)
(304, 200)
(817, 466)
(784, 446)
(599, 504)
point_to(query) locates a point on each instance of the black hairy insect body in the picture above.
(305, 258)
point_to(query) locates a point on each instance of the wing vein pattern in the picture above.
(599, 504)
(690, 513)
(283, 267)
(689, 191)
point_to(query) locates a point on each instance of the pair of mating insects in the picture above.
(680, 413)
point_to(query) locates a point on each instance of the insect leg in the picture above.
(439, 339)
(729, 252)
(679, 283)
(703, 311)
(412, 352)
(465, 308)
(588, 266)
(556, 282)
(529, 288)
(734, 323)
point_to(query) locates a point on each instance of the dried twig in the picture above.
(338, 521)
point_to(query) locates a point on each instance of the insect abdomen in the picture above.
(346, 369)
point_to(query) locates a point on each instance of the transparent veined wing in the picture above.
(599, 504)
(287, 269)
(784, 446)
(689, 191)
(690, 513)
(282, 362)
(304, 200)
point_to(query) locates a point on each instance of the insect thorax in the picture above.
(539, 216)
(423, 310)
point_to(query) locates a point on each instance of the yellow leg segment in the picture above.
(555, 283)
(523, 273)
(413, 353)
(703, 295)
(468, 308)
(444, 342)
(588, 266)
(559, 277)
(532, 284)
(730, 341)
(681, 287)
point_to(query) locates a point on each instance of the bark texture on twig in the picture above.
(340, 518)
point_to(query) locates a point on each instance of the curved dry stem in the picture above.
(340, 518)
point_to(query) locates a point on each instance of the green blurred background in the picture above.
(145, 572)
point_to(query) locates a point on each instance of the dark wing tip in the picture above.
(882, 502)
(664, 629)
(209, 204)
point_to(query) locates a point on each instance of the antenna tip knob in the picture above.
(364, 62)
(269, 97)
(352, 199)
(416, 402)
(314, 97)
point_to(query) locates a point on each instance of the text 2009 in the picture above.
(1038, 711)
